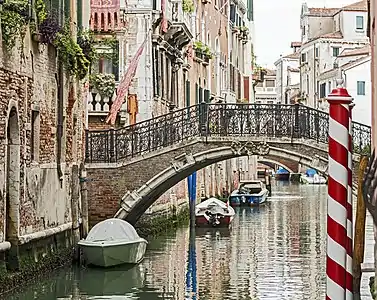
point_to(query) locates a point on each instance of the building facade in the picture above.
(194, 51)
(325, 33)
(354, 66)
(288, 76)
(265, 91)
(373, 37)
(41, 135)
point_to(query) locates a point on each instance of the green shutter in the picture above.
(250, 8)
(200, 95)
(207, 96)
(188, 100)
(196, 93)
(79, 14)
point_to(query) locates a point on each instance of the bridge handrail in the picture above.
(216, 119)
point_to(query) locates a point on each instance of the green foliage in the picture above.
(71, 54)
(103, 83)
(85, 39)
(188, 6)
(364, 150)
(13, 21)
(112, 43)
(40, 9)
(203, 48)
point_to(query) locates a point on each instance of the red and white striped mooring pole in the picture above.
(339, 254)
(349, 248)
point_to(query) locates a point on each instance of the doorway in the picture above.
(12, 188)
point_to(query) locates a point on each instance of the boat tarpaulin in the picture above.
(112, 230)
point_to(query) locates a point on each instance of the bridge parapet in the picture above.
(270, 121)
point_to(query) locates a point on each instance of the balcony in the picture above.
(180, 23)
(265, 90)
(99, 105)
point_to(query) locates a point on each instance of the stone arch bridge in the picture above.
(131, 167)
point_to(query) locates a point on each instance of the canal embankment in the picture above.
(40, 254)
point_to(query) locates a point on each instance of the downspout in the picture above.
(59, 133)
(315, 78)
(281, 80)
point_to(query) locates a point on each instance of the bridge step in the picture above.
(367, 267)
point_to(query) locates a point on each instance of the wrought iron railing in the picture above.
(258, 120)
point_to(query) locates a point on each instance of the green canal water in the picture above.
(273, 252)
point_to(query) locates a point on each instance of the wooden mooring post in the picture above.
(359, 238)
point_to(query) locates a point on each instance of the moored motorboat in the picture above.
(312, 177)
(213, 212)
(252, 192)
(282, 174)
(113, 242)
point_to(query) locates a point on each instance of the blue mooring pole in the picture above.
(191, 180)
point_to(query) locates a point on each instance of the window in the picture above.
(329, 85)
(316, 52)
(303, 31)
(359, 23)
(270, 83)
(335, 51)
(361, 88)
(303, 57)
(34, 139)
(322, 90)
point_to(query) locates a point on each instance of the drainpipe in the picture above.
(59, 135)
(315, 78)
(281, 79)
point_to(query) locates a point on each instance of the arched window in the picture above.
(115, 20)
(218, 68)
(102, 21)
(95, 25)
(203, 32)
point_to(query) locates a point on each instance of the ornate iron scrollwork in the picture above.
(217, 120)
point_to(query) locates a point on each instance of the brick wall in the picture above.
(28, 82)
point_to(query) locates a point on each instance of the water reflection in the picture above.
(276, 251)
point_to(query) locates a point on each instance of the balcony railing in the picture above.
(176, 14)
(265, 89)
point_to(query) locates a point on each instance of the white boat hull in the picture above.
(312, 180)
(108, 254)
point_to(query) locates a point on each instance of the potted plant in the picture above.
(207, 54)
(199, 49)
(188, 6)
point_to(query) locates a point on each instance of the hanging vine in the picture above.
(71, 54)
(13, 22)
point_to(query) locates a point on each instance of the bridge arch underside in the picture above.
(289, 165)
(135, 203)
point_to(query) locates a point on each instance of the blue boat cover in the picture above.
(310, 172)
(281, 171)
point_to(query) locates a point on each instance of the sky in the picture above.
(277, 24)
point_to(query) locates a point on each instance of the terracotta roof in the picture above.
(270, 72)
(355, 52)
(296, 44)
(357, 6)
(292, 55)
(345, 66)
(293, 69)
(332, 35)
(322, 12)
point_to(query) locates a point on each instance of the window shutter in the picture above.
(196, 93)
(207, 95)
(188, 100)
